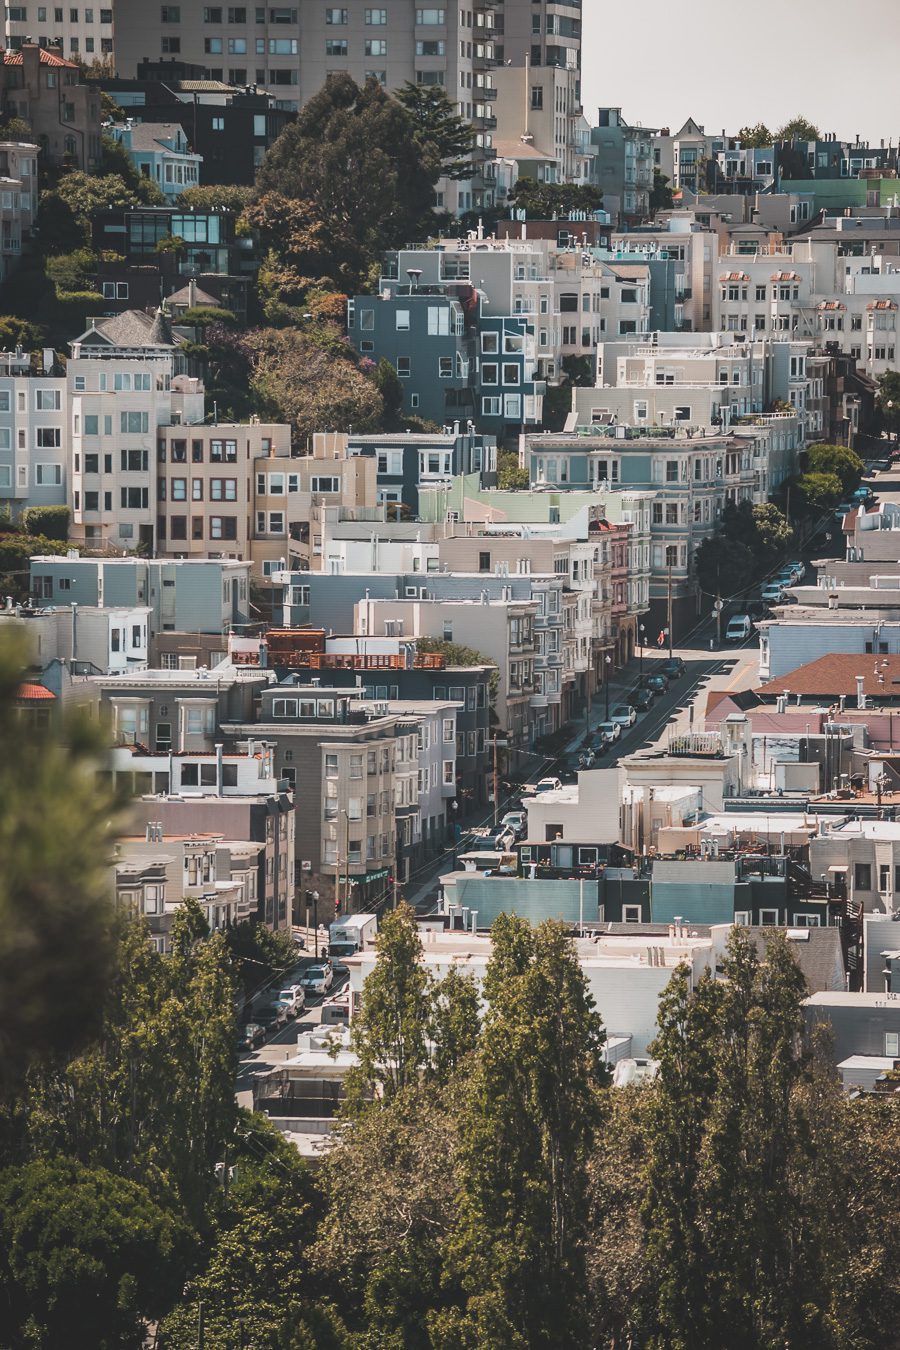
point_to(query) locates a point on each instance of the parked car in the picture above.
(251, 1035)
(271, 1016)
(611, 730)
(657, 682)
(841, 511)
(642, 699)
(673, 668)
(517, 821)
(318, 978)
(772, 593)
(493, 841)
(623, 714)
(293, 999)
(548, 785)
(739, 628)
(798, 568)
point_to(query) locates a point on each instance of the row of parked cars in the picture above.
(286, 1005)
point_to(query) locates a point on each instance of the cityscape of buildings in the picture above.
(478, 660)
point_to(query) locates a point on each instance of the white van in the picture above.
(739, 628)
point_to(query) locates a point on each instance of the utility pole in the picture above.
(496, 783)
(669, 603)
(587, 701)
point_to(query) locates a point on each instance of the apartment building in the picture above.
(255, 821)
(188, 710)
(34, 429)
(85, 33)
(85, 639)
(406, 462)
(503, 629)
(348, 763)
(185, 601)
(219, 491)
(384, 671)
(18, 200)
(622, 166)
(160, 151)
(125, 380)
(537, 112)
(53, 97)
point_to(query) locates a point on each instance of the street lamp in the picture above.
(608, 663)
(642, 633)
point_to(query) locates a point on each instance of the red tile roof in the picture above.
(784, 276)
(831, 304)
(734, 276)
(32, 693)
(835, 674)
(881, 304)
(14, 58)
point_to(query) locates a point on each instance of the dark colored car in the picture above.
(251, 1035)
(657, 682)
(272, 1016)
(642, 699)
(673, 669)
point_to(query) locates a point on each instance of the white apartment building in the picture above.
(81, 33)
(689, 252)
(33, 432)
(125, 381)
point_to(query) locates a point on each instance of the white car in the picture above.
(318, 978)
(610, 730)
(623, 715)
(548, 785)
(773, 593)
(517, 821)
(739, 628)
(292, 999)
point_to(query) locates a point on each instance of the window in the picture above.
(46, 400)
(335, 46)
(862, 876)
(223, 489)
(430, 48)
(48, 475)
(282, 46)
(376, 47)
(134, 423)
(237, 46)
(449, 773)
(892, 1044)
(47, 438)
(178, 489)
(212, 15)
(223, 527)
(769, 918)
(403, 370)
(336, 16)
(537, 96)
(430, 16)
(212, 46)
(401, 321)
(356, 766)
(323, 484)
(376, 16)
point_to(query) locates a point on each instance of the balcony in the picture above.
(485, 92)
(538, 701)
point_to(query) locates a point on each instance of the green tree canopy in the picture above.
(510, 474)
(819, 491)
(661, 198)
(89, 1258)
(837, 460)
(350, 145)
(549, 201)
(757, 136)
(216, 197)
(445, 139)
(888, 401)
(799, 127)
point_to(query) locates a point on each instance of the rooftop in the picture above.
(836, 675)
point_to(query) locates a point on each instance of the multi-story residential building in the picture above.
(692, 479)
(257, 813)
(406, 461)
(192, 597)
(224, 488)
(87, 639)
(53, 97)
(34, 432)
(160, 151)
(680, 255)
(19, 199)
(157, 872)
(125, 380)
(349, 763)
(85, 33)
(537, 112)
(455, 358)
(622, 166)
(231, 126)
(503, 629)
(210, 243)
(295, 49)
(384, 670)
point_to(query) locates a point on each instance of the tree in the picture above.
(56, 918)
(116, 161)
(50, 521)
(799, 127)
(389, 387)
(216, 197)
(511, 477)
(888, 402)
(446, 141)
(661, 198)
(351, 145)
(819, 491)
(454, 1024)
(294, 377)
(526, 1129)
(89, 1258)
(837, 460)
(65, 213)
(72, 271)
(773, 533)
(549, 201)
(16, 129)
(757, 137)
(723, 566)
(259, 955)
(16, 332)
(389, 1034)
(257, 1275)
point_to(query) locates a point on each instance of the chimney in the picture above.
(860, 696)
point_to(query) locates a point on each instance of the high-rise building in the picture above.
(290, 50)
